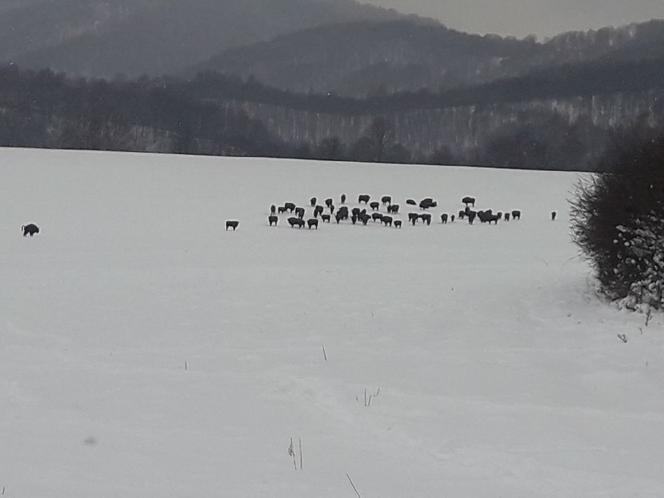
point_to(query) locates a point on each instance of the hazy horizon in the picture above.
(523, 17)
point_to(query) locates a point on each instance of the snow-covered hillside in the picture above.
(145, 352)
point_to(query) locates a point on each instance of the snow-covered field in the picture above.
(145, 352)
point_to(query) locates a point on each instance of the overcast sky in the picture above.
(522, 17)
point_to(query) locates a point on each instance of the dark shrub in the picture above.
(618, 221)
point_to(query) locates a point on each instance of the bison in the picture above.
(364, 218)
(273, 209)
(30, 230)
(363, 199)
(386, 199)
(313, 222)
(295, 222)
(299, 212)
(426, 218)
(516, 215)
(411, 202)
(507, 216)
(326, 218)
(468, 201)
(453, 218)
(377, 217)
(273, 220)
(397, 224)
(554, 215)
(318, 210)
(281, 210)
(428, 204)
(471, 217)
(444, 218)
(232, 224)
(413, 217)
(393, 209)
(289, 206)
(313, 201)
(329, 202)
(387, 220)
(356, 212)
(343, 198)
(375, 206)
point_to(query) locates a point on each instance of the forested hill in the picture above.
(559, 118)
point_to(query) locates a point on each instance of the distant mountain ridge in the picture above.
(102, 38)
(372, 58)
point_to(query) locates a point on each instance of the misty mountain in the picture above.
(133, 37)
(372, 58)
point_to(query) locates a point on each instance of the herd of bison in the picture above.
(370, 211)
(362, 215)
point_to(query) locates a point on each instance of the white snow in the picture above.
(500, 372)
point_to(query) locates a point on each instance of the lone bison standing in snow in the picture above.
(232, 224)
(30, 229)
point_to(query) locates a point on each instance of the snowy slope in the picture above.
(146, 352)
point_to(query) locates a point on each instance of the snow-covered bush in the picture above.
(618, 221)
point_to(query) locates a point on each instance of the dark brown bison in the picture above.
(363, 199)
(313, 222)
(289, 206)
(444, 218)
(452, 218)
(377, 217)
(356, 211)
(30, 230)
(313, 201)
(468, 201)
(299, 212)
(273, 209)
(516, 215)
(343, 213)
(426, 218)
(232, 224)
(386, 199)
(295, 222)
(507, 216)
(343, 198)
(393, 209)
(397, 224)
(318, 210)
(273, 220)
(353, 219)
(554, 215)
(281, 209)
(462, 215)
(428, 204)
(413, 218)
(411, 202)
(326, 218)
(364, 218)
(387, 221)
(329, 202)
(471, 217)
(375, 206)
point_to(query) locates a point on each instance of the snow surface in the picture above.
(146, 352)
